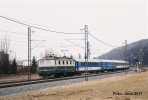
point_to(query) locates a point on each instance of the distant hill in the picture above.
(136, 52)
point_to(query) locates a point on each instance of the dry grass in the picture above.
(93, 90)
(17, 77)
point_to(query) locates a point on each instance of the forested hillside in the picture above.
(135, 52)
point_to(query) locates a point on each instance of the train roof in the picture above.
(101, 60)
(56, 58)
(89, 60)
(81, 60)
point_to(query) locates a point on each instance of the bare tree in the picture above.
(4, 56)
(5, 45)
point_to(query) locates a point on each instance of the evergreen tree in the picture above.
(34, 65)
(14, 67)
(4, 63)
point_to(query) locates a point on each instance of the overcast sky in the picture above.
(111, 21)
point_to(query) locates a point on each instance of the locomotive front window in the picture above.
(42, 62)
(48, 61)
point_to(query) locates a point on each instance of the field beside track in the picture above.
(112, 88)
(17, 77)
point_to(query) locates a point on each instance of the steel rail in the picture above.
(20, 83)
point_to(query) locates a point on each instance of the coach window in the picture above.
(59, 62)
(81, 63)
(67, 62)
(104, 64)
(55, 62)
(112, 64)
(95, 64)
(70, 62)
(98, 64)
(63, 62)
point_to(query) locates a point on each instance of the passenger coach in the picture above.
(93, 65)
(99, 65)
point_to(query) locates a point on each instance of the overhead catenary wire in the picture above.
(22, 42)
(76, 39)
(67, 45)
(18, 44)
(39, 36)
(101, 41)
(14, 40)
(13, 32)
(32, 23)
(38, 44)
(44, 29)
(75, 44)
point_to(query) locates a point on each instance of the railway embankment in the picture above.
(125, 87)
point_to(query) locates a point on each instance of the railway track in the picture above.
(20, 83)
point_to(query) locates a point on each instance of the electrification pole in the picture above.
(141, 53)
(86, 52)
(29, 53)
(89, 51)
(125, 50)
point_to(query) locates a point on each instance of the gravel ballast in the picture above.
(33, 87)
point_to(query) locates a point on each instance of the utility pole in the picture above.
(125, 51)
(86, 52)
(29, 53)
(140, 58)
